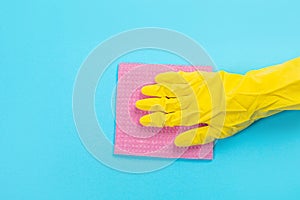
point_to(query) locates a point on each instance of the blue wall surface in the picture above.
(42, 46)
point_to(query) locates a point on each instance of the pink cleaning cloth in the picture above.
(131, 137)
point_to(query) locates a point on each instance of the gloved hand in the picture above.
(226, 102)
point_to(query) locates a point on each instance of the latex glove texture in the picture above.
(226, 102)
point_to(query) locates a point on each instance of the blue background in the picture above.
(42, 46)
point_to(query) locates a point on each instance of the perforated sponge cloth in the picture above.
(133, 139)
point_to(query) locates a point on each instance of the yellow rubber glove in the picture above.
(227, 103)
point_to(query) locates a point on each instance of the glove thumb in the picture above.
(196, 136)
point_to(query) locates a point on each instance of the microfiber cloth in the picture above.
(133, 139)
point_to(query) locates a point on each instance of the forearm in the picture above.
(276, 87)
